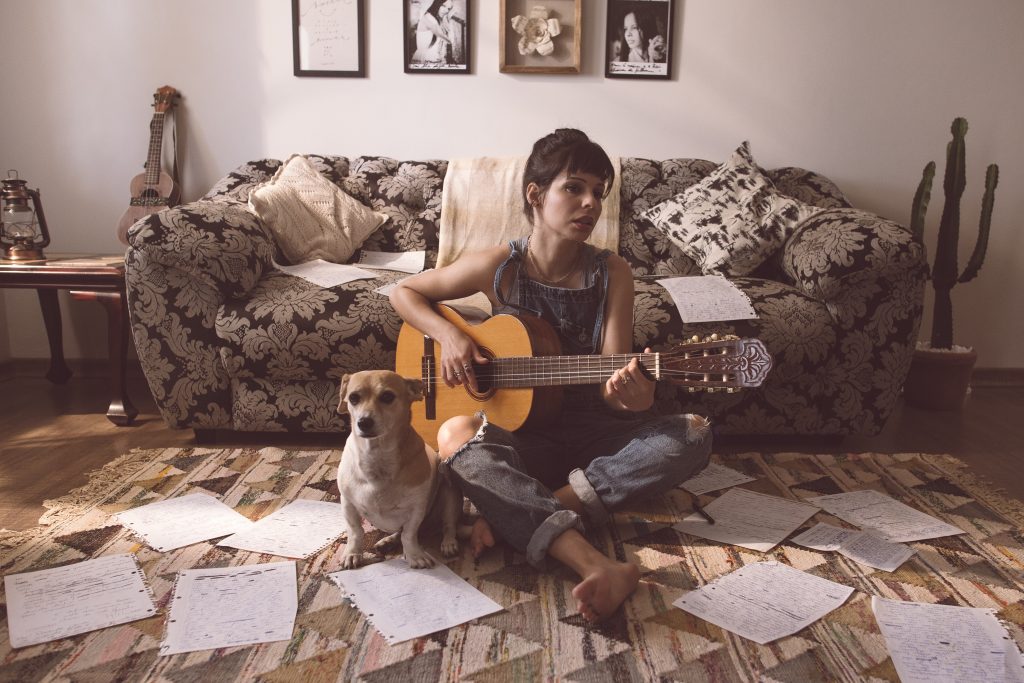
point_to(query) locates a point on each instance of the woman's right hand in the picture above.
(458, 355)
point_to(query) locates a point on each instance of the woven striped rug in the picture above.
(537, 636)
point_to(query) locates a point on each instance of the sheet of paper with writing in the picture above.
(887, 517)
(404, 261)
(714, 477)
(229, 606)
(51, 604)
(946, 643)
(325, 273)
(404, 603)
(177, 522)
(299, 529)
(860, 546)
(748, 519)
(708, 298)
(764, 601)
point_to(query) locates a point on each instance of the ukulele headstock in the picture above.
(716, 363)
(163, 98)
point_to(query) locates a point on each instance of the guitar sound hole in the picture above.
(484, 381)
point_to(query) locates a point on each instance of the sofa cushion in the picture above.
(731, 221)
(309, 216)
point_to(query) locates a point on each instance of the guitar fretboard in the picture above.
(156, 145)
(542, 371)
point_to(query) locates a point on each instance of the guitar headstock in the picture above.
(163, 98)
(716, 363)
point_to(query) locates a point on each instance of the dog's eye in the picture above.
(353, 398)
(387, 397)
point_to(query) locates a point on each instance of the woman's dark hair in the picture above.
(567, 149)
(639, 17)
(435, 8)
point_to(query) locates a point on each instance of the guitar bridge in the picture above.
(428, 369)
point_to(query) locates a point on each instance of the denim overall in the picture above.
(609, 458)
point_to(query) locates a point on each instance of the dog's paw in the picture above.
(449, 547)
(388, 541)
(350, 560)
(419, 560)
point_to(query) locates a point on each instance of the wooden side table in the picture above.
(88, 277)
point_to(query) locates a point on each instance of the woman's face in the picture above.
(631, 31)
(572, 204)
(445, 8)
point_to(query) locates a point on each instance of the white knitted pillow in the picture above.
(309, 216)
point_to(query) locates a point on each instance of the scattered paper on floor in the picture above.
(713, 478)
(299, 529)
(886, 516)
(178, 522)
(864, 547)
(748, 519)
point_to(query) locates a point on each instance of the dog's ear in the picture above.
(415, 389)
(342, 403)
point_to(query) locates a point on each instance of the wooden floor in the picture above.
(51, 436)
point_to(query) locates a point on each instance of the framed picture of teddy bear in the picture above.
(436, 36)
(639, 39)
(540, 36)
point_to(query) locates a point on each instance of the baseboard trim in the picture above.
(997, 377)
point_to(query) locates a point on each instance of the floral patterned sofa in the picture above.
(227, 342)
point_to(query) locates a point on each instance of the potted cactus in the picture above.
(940, 372)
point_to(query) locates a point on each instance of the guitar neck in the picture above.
(546, 371)
(156, 146)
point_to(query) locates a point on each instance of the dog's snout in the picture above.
(365, 424)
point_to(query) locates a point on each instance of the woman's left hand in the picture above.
(629, 387)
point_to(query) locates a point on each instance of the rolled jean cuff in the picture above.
(597, 514)
(555, 525)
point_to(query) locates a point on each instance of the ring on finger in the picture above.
(458, 375)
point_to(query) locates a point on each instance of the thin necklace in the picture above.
(543, 275)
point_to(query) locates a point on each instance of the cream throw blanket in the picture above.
(482, 206)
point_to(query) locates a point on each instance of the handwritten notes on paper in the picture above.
(714, 477)
(230, 606)
(51, 604)
(887, 517)
(329, 35)
(403, 261)
(748, 519)
(764, 601)
(860, 546)
(177, 522)
(404, 603)
(325, 273)
(944, 643)
(708, 298)
(299, 529)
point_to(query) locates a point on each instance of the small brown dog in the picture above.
(388, 475)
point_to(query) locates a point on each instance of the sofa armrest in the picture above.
(220, 243)
(864, 268)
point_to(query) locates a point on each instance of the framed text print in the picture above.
(327, 38)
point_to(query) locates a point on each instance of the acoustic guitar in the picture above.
(152, 190)
(521, 382)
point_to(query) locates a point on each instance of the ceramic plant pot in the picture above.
(939, 379)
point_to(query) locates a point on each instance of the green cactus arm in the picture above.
(944, 268)
(921, 198)
(978, 257)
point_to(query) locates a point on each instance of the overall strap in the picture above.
(517, 248)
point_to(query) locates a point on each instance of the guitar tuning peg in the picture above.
(695, 339)
(732, 390)
(692, 390)
(714, 337)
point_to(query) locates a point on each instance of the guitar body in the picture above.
(497, 337)
(152, 190)
(521, 382)
(146, 199)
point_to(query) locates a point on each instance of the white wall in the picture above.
(863, 92)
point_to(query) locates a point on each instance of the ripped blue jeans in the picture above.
(608, 461)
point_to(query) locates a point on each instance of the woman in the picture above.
(634, 44)
(537, 485)
(433, 34)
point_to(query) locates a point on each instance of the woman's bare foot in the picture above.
(606, 583)
(601, 593)
(481, 537)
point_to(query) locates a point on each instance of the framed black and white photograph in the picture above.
(540, 36)
(327, 38)
(639, 39)
(436, 36)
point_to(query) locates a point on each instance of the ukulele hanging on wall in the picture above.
(152, 190)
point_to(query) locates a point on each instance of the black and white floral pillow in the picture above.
(733, 220)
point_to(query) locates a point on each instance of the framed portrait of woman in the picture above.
(639, 39)
(540, 36)
(327, 38)
(436, 36)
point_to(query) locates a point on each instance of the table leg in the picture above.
(59, 372)
(121, 411)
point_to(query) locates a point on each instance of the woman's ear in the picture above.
(533, 195)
